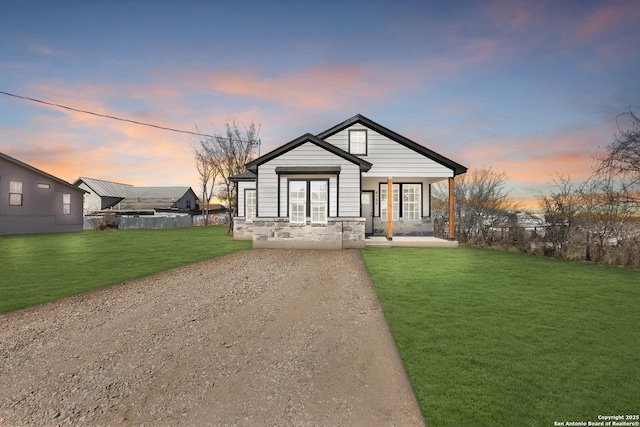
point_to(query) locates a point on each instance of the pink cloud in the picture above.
(610, 16)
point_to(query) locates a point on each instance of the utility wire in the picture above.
(106, 116)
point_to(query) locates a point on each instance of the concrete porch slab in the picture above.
(410, 241)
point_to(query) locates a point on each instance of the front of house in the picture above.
(331, 190)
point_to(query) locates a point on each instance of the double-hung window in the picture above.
(66, 204)
(15, 193)
(411, 207)
(358, 142)
(249, 205)
(394, 202)
(411, 195)
(308, 198)
(297, 202)
(319, 193)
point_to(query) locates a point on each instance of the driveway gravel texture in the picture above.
(260, 337)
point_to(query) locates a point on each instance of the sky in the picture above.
(528, 88)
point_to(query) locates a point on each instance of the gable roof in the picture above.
(358, 118)
(253, 165)
(174, 193)
(38, 171)
(104, 188)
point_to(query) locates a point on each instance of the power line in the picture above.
(105, 115)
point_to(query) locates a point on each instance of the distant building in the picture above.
(128, 199)
(33, 201)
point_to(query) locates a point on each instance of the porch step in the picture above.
(377, 241)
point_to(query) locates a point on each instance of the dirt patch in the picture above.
(260, 337)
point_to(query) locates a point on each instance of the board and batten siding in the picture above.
(309, 154)
(390, 158)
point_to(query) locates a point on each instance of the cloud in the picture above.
(606, 18)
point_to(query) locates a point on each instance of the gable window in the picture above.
(308, 198)
(188, 203)
(15, 193)
(66, 204)
(249, 205)
(44, 186)
(358, 142)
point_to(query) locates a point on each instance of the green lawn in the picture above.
(40, 268)
(494, 338)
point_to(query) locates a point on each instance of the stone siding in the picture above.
(242, 230)
(338, 233)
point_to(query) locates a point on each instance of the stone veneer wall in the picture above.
(405, 228)
(338, 233)
(242, 230)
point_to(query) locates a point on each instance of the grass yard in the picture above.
(494, 338)
(38, 268)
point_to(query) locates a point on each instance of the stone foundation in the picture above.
(338, 233)
(242, 230)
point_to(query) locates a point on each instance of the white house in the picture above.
(331, 190)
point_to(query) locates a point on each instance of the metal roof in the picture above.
(104, 188)
(174, 193)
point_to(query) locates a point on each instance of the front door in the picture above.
(367, 211)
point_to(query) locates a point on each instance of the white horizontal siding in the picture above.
(390, 158)
(309, 154)
(243, 185)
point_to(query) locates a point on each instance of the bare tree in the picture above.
(227, 154)
(208, 174)
(560, 208)
(481, 202)
(621, 162)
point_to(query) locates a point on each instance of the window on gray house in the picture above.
(15, 193)
(66, 204)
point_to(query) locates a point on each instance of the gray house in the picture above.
(33, 201)
(331, 190)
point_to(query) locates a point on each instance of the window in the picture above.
(411, 195)
(66, 204)
(358, 142)
(297, 202)
(188, 203)
(15, 193)
(394, 202)
(319, 191)
(45, 186)
(411, 208)
(308, 198)
(249, 204)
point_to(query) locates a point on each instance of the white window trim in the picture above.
(304, 203)
(405, 193)
(395, 205)
(319, 203)
(250, 210)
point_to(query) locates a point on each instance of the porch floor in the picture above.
(414, 241)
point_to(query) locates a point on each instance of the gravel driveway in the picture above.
(259, 337)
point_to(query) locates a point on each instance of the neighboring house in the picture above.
(331, 190)
(101, 194)
(32, 201)
(159, 199)
(127, 199)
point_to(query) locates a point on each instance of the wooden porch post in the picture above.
(389, 207)
(452, 215)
